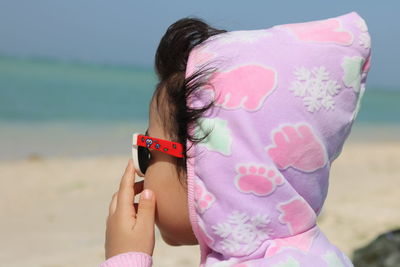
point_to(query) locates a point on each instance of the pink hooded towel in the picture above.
(285, 100)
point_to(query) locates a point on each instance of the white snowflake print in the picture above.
(243, 36)
(362, 25)
(241, 233)
(332, 259)
(315, 87)
(365, 40)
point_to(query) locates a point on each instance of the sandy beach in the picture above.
(54, 209)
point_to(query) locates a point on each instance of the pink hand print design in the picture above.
(203, 198)
(301, 242)
(296, 146)
(297, 214)
(259, 180)
(244, 87)
(323, 31)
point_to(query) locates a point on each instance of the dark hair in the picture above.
(170, 65)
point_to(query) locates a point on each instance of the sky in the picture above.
(128, 31)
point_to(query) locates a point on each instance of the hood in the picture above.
(285, 100)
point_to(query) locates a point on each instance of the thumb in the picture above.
(146, 210)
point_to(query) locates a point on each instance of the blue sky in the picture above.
(128, 32)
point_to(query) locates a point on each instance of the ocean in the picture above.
(53, 108)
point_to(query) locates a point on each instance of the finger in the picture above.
(279, 139)
(113, 204)
(305, 131)
(291, 133)
(126, 193)
(146, 210)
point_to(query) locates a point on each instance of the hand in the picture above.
(130, 227)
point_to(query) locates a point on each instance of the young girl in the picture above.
(244, 127)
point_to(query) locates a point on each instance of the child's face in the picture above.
(172, 213)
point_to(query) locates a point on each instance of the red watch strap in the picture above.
(165, 146)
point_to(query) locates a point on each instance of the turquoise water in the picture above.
(40, 90)
(45, 90)
(53, 108)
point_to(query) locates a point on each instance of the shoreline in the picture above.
(80, 139)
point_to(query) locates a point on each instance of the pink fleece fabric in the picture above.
(285, 100)
(129, 259)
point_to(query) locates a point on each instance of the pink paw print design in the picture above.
(296, 146)
(322, 31)
(203, 198)
(297, 214)
(260, 180)
(244, 87)
(302, 242)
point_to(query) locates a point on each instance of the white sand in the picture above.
(54, 210)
